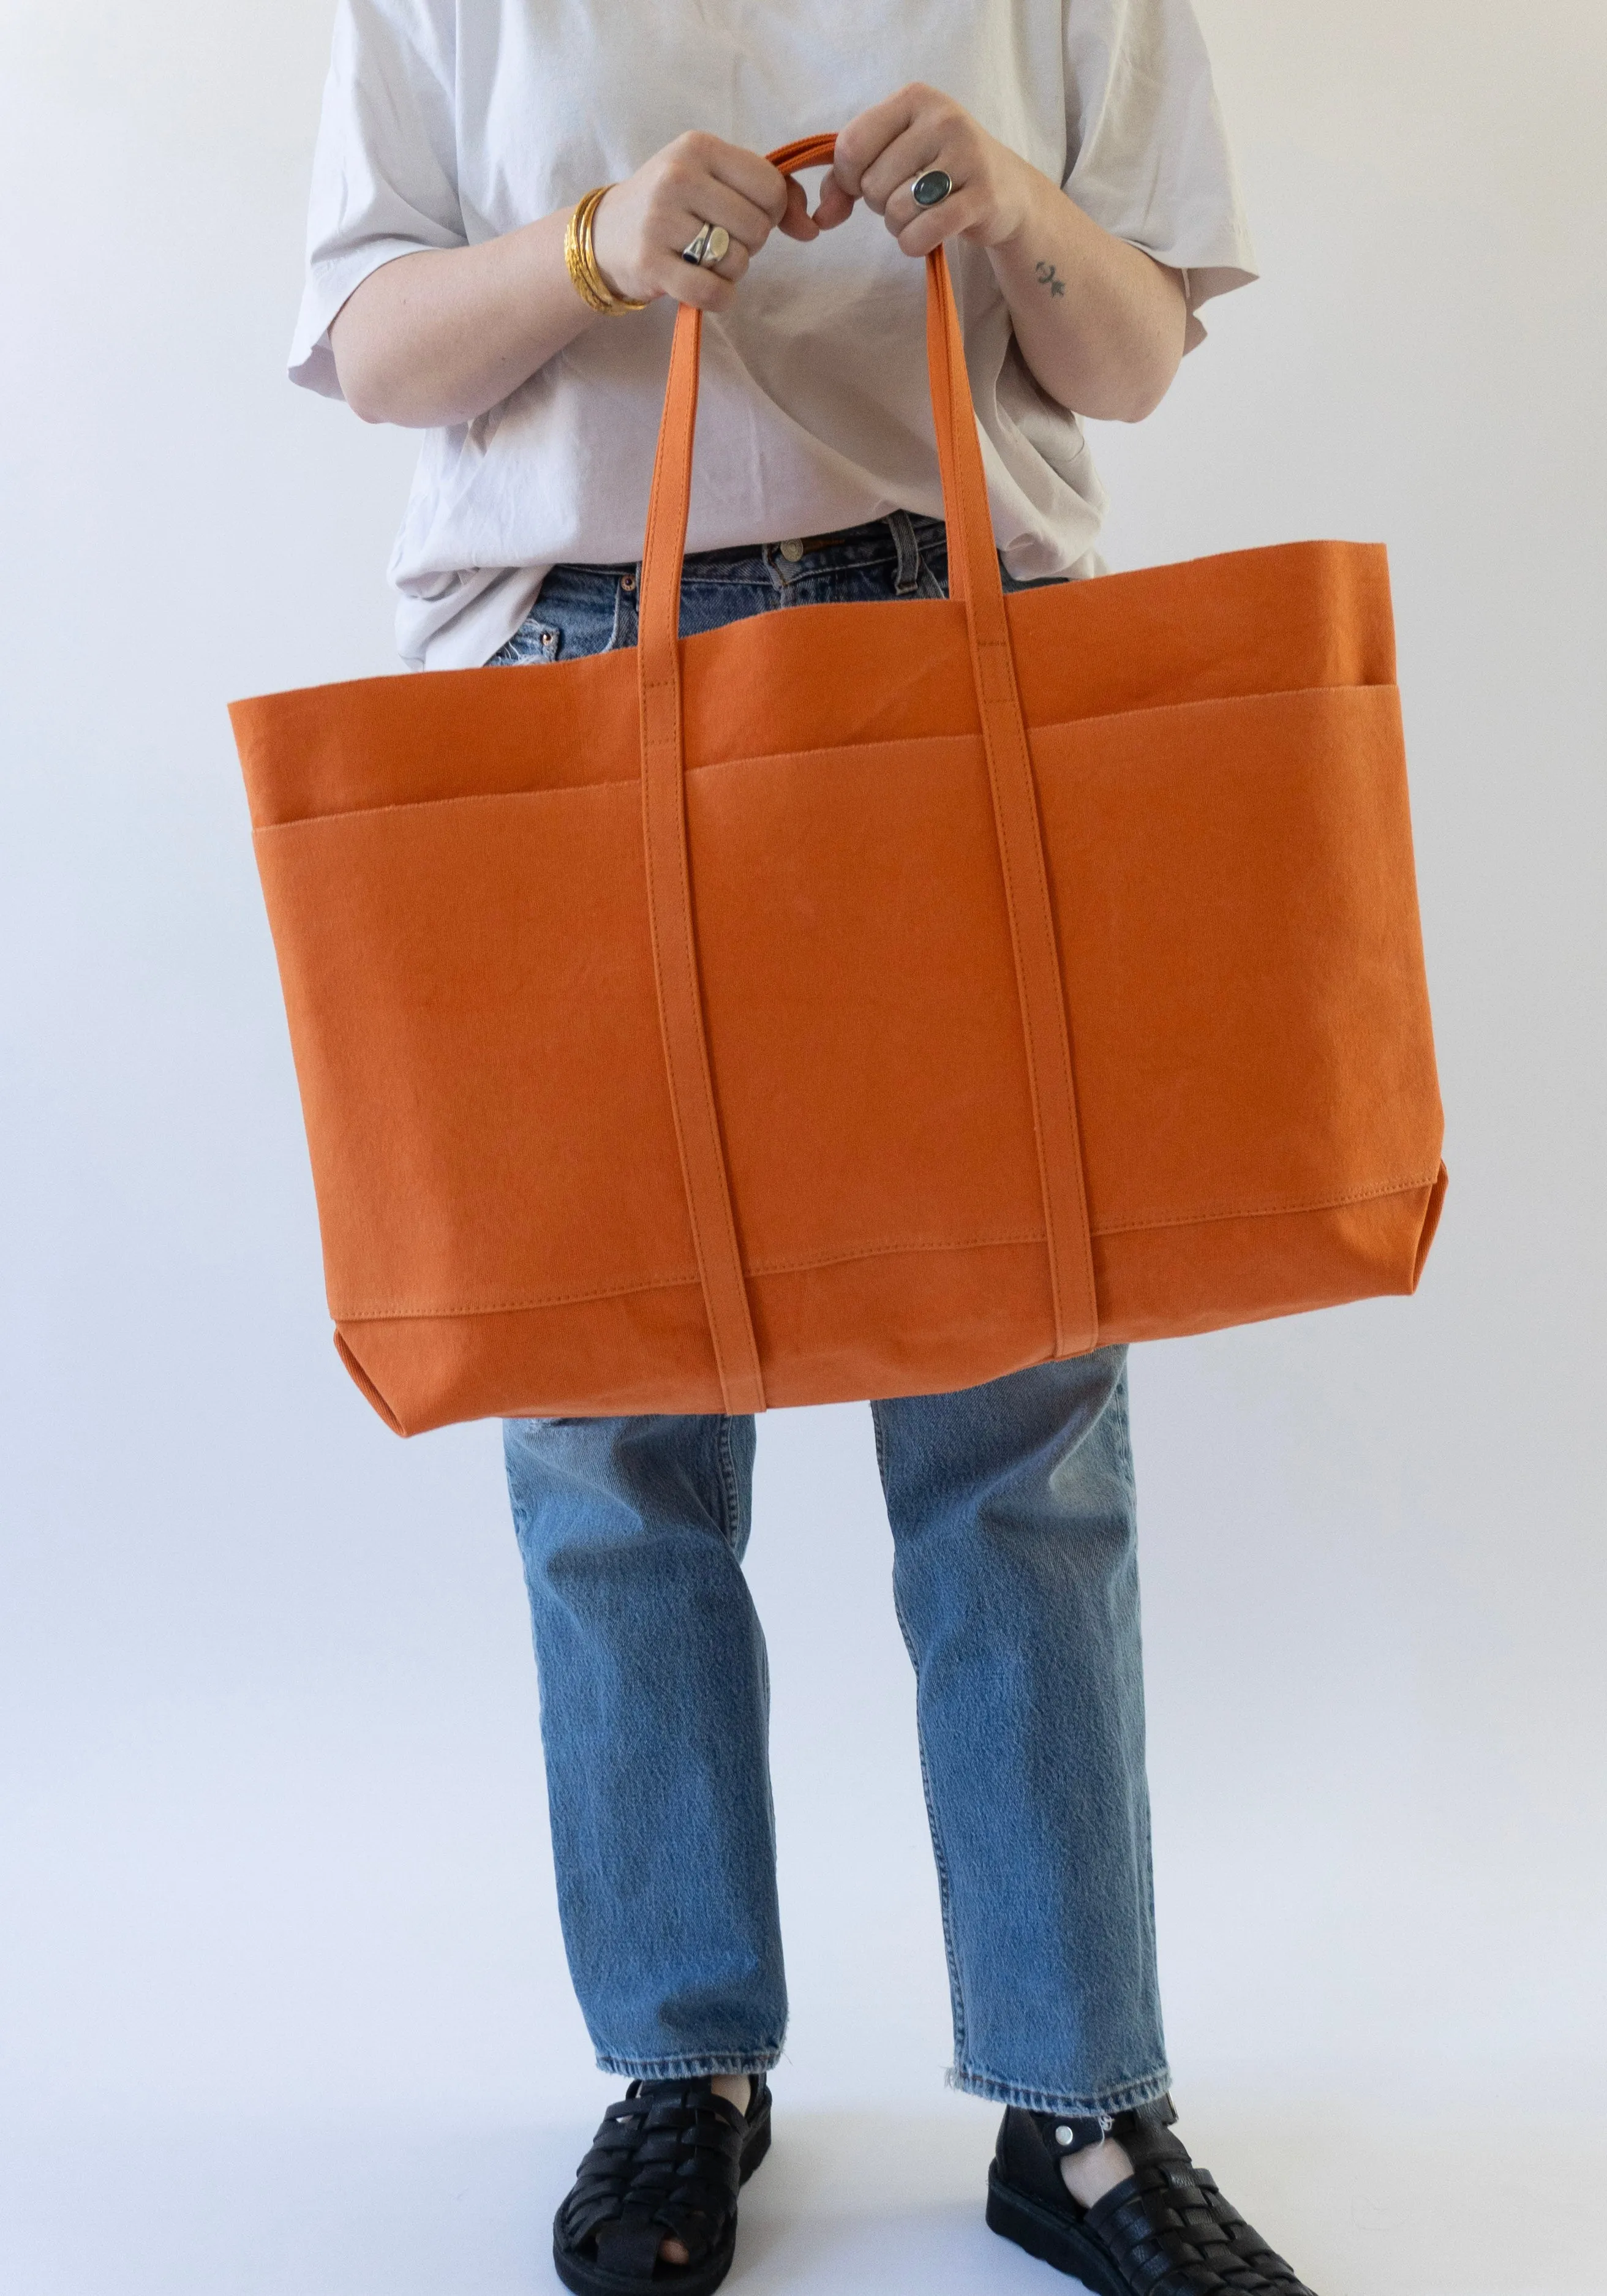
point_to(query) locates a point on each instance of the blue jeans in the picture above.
(1015, 1582)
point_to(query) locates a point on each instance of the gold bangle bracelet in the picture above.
(580, 259)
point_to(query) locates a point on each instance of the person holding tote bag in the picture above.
(510, 201)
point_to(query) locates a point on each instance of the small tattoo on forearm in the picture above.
(1048, 276)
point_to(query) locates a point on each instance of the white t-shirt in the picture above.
(447, 122)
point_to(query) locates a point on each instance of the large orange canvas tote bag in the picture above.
(859, 1000)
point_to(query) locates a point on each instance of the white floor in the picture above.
(848, 2203)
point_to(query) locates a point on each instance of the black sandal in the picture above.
(1166, 2231)
(667, 2164)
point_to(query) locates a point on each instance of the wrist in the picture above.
(1011, 222)
(610, 256)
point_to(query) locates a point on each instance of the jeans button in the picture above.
(792, 551)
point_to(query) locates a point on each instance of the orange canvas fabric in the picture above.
(862, 1000)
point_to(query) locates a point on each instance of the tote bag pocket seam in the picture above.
(1140, 711)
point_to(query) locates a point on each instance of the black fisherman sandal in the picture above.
(667, 2164)
(1166, 2231)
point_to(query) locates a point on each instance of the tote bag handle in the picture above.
(974, 581)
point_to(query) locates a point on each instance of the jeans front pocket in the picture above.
(534, 640)
(582, 609)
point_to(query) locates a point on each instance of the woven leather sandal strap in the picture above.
(1254, 2253)
(666, 2163)
(1166, 2236)
(629, 2246)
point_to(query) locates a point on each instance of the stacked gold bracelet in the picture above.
(581, 258)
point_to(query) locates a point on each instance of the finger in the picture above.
(747, 172)
(700, 284)
(836, 205)
(731, 265)
(710, 200)
(798, 223)
(870, 133)
(928, 227)
(903, 209)
(893, 170)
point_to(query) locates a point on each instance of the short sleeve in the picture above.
(385, 170)
(1149, 160)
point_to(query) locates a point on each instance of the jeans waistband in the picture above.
(900, 534)
(875, 534)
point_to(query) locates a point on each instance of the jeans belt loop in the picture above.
(908, 574)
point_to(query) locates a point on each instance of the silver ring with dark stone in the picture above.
(931, 189)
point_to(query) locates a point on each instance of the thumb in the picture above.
(796, 223)
(836, 204)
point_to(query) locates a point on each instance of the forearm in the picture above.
(439, 336)
(1100, 325)
(1098, 322)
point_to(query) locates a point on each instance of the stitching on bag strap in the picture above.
(1033, 940)
(691, 1095)
(670, 922)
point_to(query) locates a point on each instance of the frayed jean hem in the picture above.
(1147, 2089)
(751, 2062)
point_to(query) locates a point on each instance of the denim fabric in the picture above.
(1015, 1579)
(588, 608)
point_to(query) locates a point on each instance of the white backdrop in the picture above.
(284, 2005)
